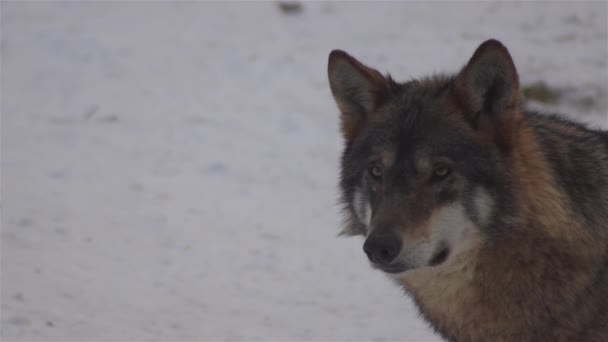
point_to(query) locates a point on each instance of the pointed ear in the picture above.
(488, 87)
(357, 89)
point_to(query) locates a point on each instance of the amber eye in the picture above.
(441, 172)
(375, 171)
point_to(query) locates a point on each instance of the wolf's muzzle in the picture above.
(382, 249)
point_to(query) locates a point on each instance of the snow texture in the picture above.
(169, 169)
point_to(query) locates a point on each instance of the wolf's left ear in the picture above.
(488, 87)
(357, 89)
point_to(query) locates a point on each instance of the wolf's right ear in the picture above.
(488, 87)
(357, 89)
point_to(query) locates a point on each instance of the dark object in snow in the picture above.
(290, 7)
(541, 92)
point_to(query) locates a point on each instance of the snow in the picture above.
(169, 169)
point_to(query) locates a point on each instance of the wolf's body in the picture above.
(494, 220)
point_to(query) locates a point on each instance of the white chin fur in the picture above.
(451, 227)
(396, 276)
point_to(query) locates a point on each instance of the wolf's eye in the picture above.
(375, 171)
(441, 172)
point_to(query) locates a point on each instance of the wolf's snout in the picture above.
(382, 249)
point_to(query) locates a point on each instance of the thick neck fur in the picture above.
(545, 278)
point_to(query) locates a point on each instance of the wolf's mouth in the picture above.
(395, 268)
(440, 256)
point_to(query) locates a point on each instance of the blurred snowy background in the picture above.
(169, 169)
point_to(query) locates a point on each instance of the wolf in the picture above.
(493, 218)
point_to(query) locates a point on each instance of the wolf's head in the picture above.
(423, 170)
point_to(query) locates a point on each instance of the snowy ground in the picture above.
(169, 170)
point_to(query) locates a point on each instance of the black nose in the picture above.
(382, 249)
